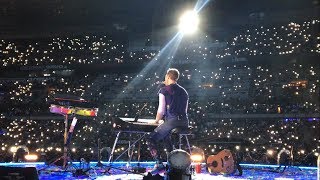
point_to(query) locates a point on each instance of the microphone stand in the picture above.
(139, 112)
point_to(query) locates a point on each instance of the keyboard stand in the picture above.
(132, 145)
(114, 146)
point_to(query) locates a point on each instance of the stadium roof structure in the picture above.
(40, 17)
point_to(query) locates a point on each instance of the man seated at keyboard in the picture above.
(173, 105)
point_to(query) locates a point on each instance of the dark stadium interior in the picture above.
(252, 74)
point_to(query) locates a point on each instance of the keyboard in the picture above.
(128, 124)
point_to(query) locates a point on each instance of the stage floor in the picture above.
(91, 171)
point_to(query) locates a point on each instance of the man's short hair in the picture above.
(173, 74)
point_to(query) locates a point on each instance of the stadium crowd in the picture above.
(234, 86)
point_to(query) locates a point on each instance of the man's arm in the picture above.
(161, 108)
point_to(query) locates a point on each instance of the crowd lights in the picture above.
(270, 152)
(13, 149)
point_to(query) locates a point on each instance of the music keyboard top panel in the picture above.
(139, 120)
(144, 124)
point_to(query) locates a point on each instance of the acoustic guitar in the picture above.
(223, 162)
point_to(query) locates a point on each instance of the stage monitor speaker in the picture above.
(23, 173)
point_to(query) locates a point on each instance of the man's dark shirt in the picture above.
(176, 99)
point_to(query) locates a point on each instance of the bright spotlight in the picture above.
(189, 22)
(196, 158)
(31, 157)
(197, 154)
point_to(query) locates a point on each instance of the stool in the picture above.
(183, 132)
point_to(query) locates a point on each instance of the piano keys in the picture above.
(129, 125)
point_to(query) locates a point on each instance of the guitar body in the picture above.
(223, 162)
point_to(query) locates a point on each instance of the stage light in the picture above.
(189, 22)
(179, 162)
(31, 157)
(196, 158)
(197, 155)
(179, 159)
